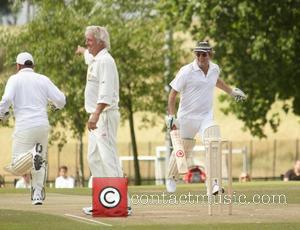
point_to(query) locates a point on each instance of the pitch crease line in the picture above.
(86, 219)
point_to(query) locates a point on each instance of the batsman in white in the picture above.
(101, 103)
(29, 93)
(196, 83)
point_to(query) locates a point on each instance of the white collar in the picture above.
(100, 53)
(26, 70)
(197, 68)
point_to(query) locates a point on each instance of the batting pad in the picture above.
(179, 152)
(38, 179)
(22, 165)
(212, 138)
(188, 145)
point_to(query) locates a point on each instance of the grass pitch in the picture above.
(62, 209)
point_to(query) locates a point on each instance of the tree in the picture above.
(10, 9)
(257, 47)
(4, 9)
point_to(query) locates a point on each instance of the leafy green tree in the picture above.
(10, 9)
(257, 47)
(4, 7)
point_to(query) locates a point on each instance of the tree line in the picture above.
(256, 43)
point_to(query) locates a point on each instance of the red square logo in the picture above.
(110, 197)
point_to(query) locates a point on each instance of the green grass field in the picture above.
(62, 209)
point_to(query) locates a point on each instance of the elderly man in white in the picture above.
(29, 93)
(195, 82)
(101, 102)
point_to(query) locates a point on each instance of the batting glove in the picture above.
(171, 122)
(4, 116)
(238, 94)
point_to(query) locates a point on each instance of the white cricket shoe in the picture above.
(129, 211)
(88, 210)
(37, 198)
(171, 185)
(216, 188)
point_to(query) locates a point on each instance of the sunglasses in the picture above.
(203, 54)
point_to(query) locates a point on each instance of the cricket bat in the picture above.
(179, 152)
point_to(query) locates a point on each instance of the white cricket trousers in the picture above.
(190, 127)
(102, 146)
(25, 140)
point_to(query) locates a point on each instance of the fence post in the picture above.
(149, 148)
(129, 162)
(149, 162)
(274, 157)
(76, 159)
(245, 160)
(297, 150)
(129, 149)
(251, 157)
(58, 158)
(76, 165)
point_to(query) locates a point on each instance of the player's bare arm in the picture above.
(236, 93)
(170, 119)
(92, 122)
(172, 102)
(80, 50)
(223, 86)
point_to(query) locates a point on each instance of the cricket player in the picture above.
(29, 92)
(196, 83)
(101, 103)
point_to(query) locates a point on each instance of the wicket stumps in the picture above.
(214, 173)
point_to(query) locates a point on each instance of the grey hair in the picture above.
(100, 33)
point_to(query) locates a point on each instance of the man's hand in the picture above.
(92, 123)
(4, 117)
(171, 122)
(80, 50)
(238, 94)
(53, 107)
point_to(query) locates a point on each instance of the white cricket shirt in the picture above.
(22, 184)
(29, 93)
(196, 90)
(102, 83)
(61, 182)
